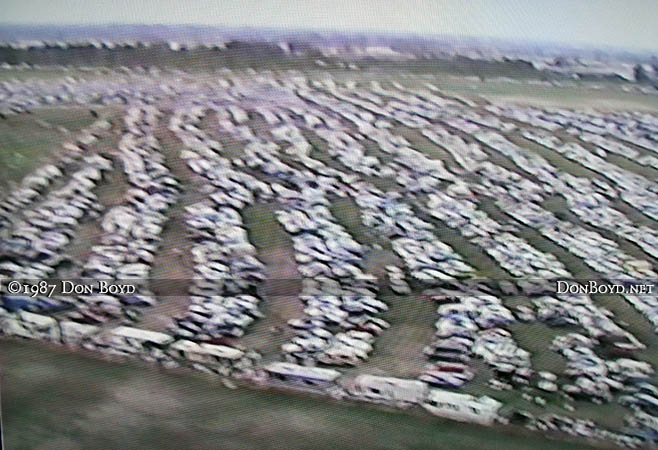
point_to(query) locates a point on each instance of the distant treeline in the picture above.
(240, 54)
(235, 54)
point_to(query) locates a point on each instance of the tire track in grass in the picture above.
(282, 286)
(172, 260)
(625, 314)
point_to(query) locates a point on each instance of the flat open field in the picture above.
(605, 96)
(53, 398)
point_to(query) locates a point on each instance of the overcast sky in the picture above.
(631, 24)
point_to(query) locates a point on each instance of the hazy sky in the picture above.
(631, 24)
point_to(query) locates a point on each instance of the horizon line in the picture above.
(384, 33)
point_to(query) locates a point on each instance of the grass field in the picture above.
(28, 140)
(53, 398)
(605, 96)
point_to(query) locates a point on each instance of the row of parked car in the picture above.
(511, 252)
(414, 171)
(227, 274)
(340, 323)
(595, 378)
(131, 231)
(603, 255)
(30, 189)
(39, 218)
(341, 301)
(225, 269)
(596, 321)
(582, 428)
(610, 131)
(470, 326)
(498, 346)
(570, 309)
(119, 88)
(587, 198)
(634, 189)
(335, 309)
(34, 245)
(128, 341)
(589, 202)
(503, 247)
